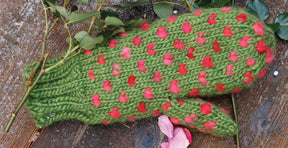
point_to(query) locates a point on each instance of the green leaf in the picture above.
(80, 35)
(258, 8)
(83, 1)
(113, 21)
(99, 23)
(132, 4)
(282, 19)
(81, 17)
(51, 6)
(219, 3)
(134, 23)
(62, 11)
(104, 14)
(275, 27)
(89, 42)
(163, 10)
(119, 30)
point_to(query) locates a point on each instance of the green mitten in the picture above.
(155, 69)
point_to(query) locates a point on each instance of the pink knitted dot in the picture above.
(171, 19)
(95, 100)
(233, 56)
(227, 31)
(123, 99)
(243, 42)
(91, 71)
(203, 80)
(213, 16)
(167, 59)
(137, 41)
(141, 66)
(91, 76)
(226, 9)
(250, 62)
(116, 73)
(116, 65)
(150, 50)
(87, 52)
(211, 21)
(193, 116)
(248, 80)
(157, 77)
(190, 53)
(148, 94)
(200, 40)
(197, 12)
(269, 56)
(174, 87)
(132, 118)
(209, 125)
(259, 29)
(113, 43)
(166, 106)
(126, 53)
(188, 120)
(123, 93)
(186, 28)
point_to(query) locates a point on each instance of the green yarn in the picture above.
(157, 69)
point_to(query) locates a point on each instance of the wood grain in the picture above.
(262, 108)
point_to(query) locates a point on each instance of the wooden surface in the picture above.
(262, 108)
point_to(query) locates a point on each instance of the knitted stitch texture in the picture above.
(157, 69)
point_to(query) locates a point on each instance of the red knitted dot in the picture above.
(174, 87)
(248, 80)
(113, 43)
(227, 31)
(197, 12)
(190, 53)
(211, 21)
(220, 87)
(123, 34)
(171, 19)
(95, 100)
(186, 28)
(262, 73)
(91, 71)
(213, 16)
(209, 125)
(148, 94)
(193, 116)
(236, 90)
(87, 52)
(156, 113)
(261, 47)
(206, 108)
(178, 44)
(194, 92)
(188, 119)
(248, 74)
(137, 41)
(142, 107)
(224, 110)
(207, 62)
(105, 122)
(216, 46)
(150, 50)
(145, 26)
(241, 17)
(115, 113)
(161, 32)
(269, 56)
(175, 121)
(202, 78)
(244, 41)
(259, 29)
(100, 59)
(233, 56)
(182, 69)
(131, 80)
(132, 118)
(180, 102)
(166, 106)
(106, 86)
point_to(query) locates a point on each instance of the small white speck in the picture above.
(276, 73)
(175, 11)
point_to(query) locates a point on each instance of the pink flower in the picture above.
(178, 137)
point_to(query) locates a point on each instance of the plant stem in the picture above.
(190, 6)
(167, 2)
(233, 1)
(93, 17)
(69, 33)
(236, 120)
(27, 93)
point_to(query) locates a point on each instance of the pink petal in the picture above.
(179, 140)
(166, 127)
(164, 145)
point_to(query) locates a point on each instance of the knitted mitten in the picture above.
(155, 69)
